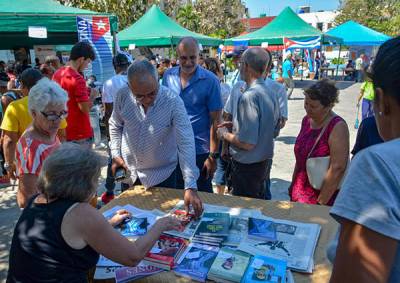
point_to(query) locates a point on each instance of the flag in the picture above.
(294, 44)
(96, 30)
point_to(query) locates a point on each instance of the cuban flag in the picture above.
(306, 44)
(96, 30)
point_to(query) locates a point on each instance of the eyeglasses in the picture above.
(141, 97)
(54, 117)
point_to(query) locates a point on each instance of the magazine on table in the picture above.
(237, 231)
(128, 274)
(105, 272)
(261, 229)
(196, 261)
(295, 244)
(265, 269)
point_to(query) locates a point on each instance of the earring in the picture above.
(380, 113)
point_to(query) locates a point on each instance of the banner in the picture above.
(96, 31)
(309, 44)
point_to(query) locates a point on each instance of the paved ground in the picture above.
(281, 170)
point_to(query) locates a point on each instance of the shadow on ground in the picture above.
(279, 189)
(307, 83)
(286, 139)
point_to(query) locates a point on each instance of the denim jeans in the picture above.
(203, 184)
(170, 182)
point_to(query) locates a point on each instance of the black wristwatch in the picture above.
(214, 155)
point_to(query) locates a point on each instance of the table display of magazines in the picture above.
(224, 245)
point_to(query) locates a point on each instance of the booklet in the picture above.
(128, 274)
(229, 265)
(196, 261)
(237, 231)
(133, 227)
(261, 229)
(214, 224)
(265, 269)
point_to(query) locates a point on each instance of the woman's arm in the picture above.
(88, 224)
(363, 255)
(26, 189)
(339, 156)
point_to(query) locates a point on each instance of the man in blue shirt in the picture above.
(201, 94)
(287, 74)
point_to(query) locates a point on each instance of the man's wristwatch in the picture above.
(214, 155)
(7, 166)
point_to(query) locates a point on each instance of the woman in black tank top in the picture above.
(59, 236)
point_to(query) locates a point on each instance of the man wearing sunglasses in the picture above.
(150, 131)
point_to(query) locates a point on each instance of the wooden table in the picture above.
(165, 199)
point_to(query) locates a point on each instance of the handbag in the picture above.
(317, 166)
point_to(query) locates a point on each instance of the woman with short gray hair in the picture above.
(59, 236)
(47, 104)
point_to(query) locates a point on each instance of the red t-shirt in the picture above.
(78, 123)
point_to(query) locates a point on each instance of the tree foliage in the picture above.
(218, 18)
(380, 15)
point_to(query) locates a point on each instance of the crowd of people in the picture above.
(188, 130)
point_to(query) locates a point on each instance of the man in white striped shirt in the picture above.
(150, 131)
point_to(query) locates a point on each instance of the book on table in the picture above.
(229, 265)
(237, 231)
(213, 229)
(129, 274)
(265, 269)
(188, 222)
(133, 227)
(165, 252)
(196, 261)
(261, 229)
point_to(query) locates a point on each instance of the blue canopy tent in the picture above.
(355, 34)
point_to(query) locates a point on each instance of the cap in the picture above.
(121, 60)
(237, 51)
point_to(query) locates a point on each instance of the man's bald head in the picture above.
(257, 59)
(188, 42)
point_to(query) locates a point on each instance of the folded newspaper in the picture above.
(296, 243)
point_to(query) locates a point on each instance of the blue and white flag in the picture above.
(96, 31)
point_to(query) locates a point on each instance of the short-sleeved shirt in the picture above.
(370, 194)
(112, 86)
(233, 99)
(286, 67)
(369, 91)
(31, 154)
(17, 117)
(257, 117)
(78, 123)
(201, 96)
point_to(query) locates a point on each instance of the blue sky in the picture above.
(274, 7)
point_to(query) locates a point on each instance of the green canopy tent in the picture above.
(156, 29)
(287, 24)
(60, 21)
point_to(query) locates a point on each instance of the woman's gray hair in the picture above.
(45, 93)
(71, 172)
(140, 68)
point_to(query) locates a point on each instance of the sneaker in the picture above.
(106, 198)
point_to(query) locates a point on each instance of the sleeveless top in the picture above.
(301, 190)
(38, 251)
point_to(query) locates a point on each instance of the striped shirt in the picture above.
(31, 153)
(151, 143)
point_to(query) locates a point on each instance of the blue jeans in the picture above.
(170, 182)
(203, 184)
(220, 173)
(268, 195)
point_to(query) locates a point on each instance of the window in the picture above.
(320, 26)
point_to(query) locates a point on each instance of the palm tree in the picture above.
(187, 17)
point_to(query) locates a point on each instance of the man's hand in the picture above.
(209, 167)
(226, 124)
(221, 132)
(118, 162)
(282, 123)
(191, 198)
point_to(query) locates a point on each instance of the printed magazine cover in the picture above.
(128, 274)
(265, 269)
(196, 262)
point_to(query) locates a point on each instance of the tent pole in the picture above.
(114, 35)
(302, 68)
(337, 66)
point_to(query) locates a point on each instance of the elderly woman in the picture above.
(59, 235)
(47, 104)
(368, 205)
(322, 133)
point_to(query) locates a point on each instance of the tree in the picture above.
(220, 17)
(188, 17)
(380, 15)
